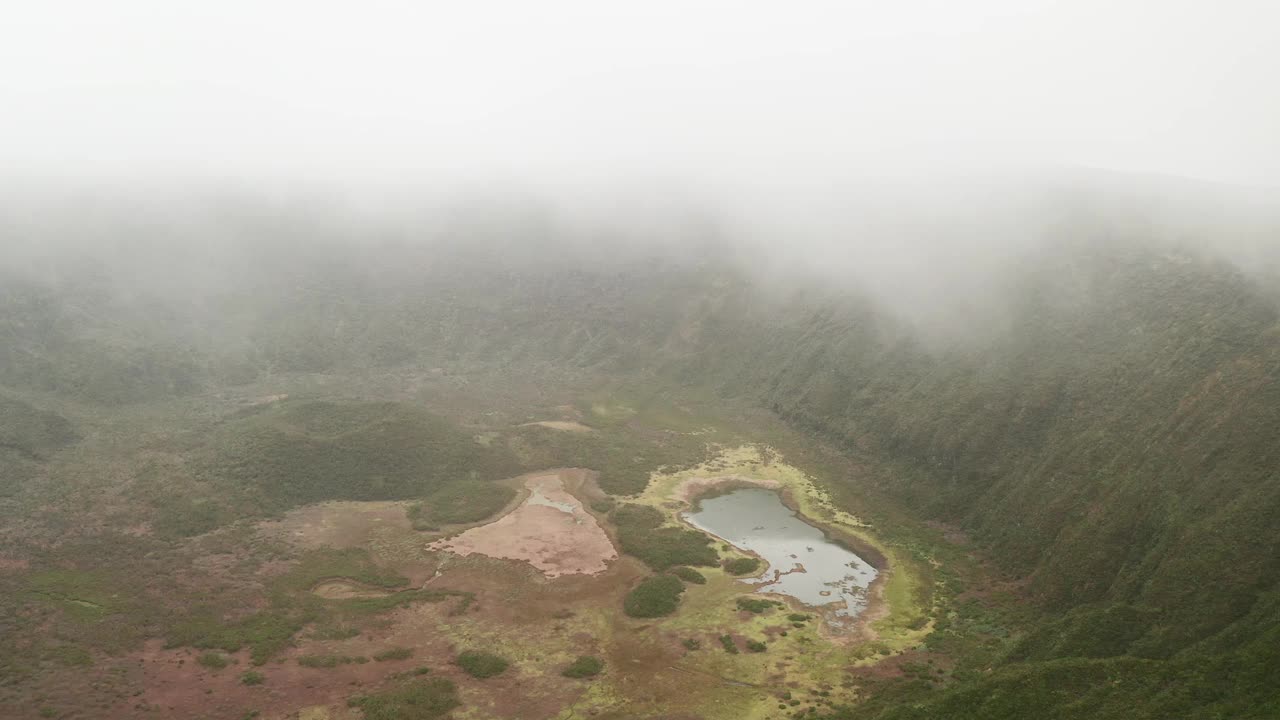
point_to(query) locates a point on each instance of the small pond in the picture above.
(803, 563)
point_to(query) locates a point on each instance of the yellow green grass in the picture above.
(810, 658)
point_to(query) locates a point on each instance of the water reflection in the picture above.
(803, 563)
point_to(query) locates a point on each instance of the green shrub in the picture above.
(479, 664)
(308, 452)
(584, 667)
(729, 645)
(756, 646)
(395, 653)
(604, 505)
(756, 605)
(688, 575)
(629, 515)
(742, 566)
(654, 597)
(252, 677)
(350, 563)
(691, 643)
(335, 632)
(329, 661)
(420, 699)
(460, 502)
(213, 660)
(662, 548)
(266, 632)
(798, 617)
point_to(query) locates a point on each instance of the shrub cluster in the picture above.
(213, 660)
(329, 661)
(640, 534)
(654, 597)
(479, 664)
(395, 653)
(459, 502)
(424, 699)
(584, 667)
(756, 605)
(688, 575)
(742, 566)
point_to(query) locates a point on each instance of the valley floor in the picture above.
(300, 613)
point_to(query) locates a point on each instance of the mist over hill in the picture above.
(1088, 385)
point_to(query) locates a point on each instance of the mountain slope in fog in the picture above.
(1113, 437)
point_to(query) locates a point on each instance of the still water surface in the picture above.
(803, 563)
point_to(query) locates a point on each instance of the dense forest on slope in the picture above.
(1114, 438)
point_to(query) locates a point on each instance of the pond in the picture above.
(803, 563)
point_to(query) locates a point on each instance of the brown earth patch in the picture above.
(381, 527)
(692, 488)
(339, 524)
(12, 564)
(550, 530)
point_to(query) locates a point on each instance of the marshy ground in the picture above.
(297, 612)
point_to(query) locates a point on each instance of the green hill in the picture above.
(307, 452)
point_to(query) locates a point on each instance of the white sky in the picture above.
(541, 89)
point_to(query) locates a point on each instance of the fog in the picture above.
(912, 148)
(583, 91)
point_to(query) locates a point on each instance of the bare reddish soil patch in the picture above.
(13, 564)
(550, 530)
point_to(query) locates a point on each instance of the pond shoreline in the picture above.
(693, 491)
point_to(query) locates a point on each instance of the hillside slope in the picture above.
(1114, 440)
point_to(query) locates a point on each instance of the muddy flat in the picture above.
(549, 530)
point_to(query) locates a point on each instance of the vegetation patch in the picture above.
(213, 660)
(418, 699)
(335, 632)
(30, 431)
(640, 534)
(252, 677)
(757, 605)
(348, 563)
(330, 661)
(689, 575)
(742, 566)
(395, 653)
(623, 457)
(584, 667)
(654, 597)
(726, 641)
(459, 502)
(636, 517)
(306, 452)
(480, 664)
(266, 632)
